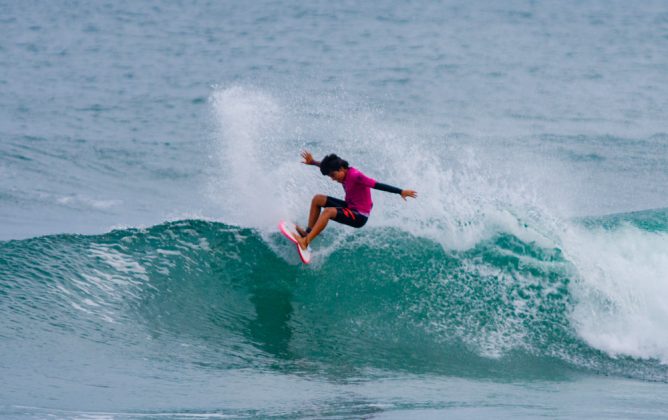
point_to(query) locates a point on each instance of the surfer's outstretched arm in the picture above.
(404, 193)
(308, 159)
(372, 183)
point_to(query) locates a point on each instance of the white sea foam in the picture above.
(87, 202)
(119, 262)
(621, 294)
(259, 179)
(250, 187)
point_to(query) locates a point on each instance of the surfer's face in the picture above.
(338, 175)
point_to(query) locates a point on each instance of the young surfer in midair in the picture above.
(354, 210)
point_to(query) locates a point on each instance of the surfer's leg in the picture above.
(321, 223)
(319, 226)
(302, 232)
(317, 203)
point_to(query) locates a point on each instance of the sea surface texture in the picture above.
(149, 149)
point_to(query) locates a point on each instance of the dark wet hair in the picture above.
(331, 163)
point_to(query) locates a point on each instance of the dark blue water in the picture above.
(147, 152)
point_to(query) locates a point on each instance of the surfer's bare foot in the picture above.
(303, 243)
(301, 231)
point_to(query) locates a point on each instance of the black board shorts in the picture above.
(345, 215)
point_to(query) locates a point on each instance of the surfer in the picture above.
(354, 210)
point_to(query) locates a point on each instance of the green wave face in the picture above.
(220, 297)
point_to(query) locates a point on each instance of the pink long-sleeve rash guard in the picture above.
(358, 191)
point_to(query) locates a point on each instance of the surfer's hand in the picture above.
(408, 193)
(308, 157)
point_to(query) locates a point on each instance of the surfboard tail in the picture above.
(289, 230)
(304, 254)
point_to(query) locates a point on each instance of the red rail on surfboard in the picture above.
(289, 230)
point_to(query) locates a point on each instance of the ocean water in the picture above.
(148, 150)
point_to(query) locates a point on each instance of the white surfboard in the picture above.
(289, 230)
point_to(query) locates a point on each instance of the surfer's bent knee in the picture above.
(319, 200)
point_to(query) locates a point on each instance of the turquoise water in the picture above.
(147, 152)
